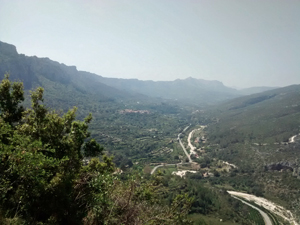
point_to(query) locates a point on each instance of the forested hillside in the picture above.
(271, 116)
(260, 135)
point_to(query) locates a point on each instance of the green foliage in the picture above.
(268, 117)
(92, 148)
(11, 95)
(208, 201)
(41, 160)
(137, 201)
(43, 179)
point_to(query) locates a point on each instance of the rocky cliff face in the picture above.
(8, 49)
(55, 77)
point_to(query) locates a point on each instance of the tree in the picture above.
(41, 159)
(10, 108)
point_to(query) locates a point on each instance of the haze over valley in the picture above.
(149, 112)
(211, 134)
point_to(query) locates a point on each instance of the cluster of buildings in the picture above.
(134, 111)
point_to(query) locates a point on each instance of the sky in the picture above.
(242, 43)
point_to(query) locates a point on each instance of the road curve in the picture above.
(155, 168)
(292, 139)
(265, 216)
(268, 205)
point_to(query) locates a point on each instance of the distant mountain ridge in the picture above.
(34, 71)
(58, 77)
(197, 90)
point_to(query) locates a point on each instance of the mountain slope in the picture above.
(255, 134)
(268, 116)
(56, 77)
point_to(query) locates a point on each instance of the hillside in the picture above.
(259, 134)
(271, 116)
(56, 77)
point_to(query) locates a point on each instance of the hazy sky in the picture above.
(242, 43)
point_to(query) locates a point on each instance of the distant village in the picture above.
(134, 111)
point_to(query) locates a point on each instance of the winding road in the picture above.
(155, 168)
(192, 147)
(267, 204)
(292, 139)
(265, 216)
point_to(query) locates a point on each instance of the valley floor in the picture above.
(264, 203)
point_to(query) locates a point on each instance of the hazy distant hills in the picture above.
(254, 90)
(197, 90)
(66, 82)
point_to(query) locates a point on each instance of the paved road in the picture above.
(292, 139)
(192, 147)
(186, 128)
(183, 148)
(268, 205)
(265, 216)
(155, 168)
